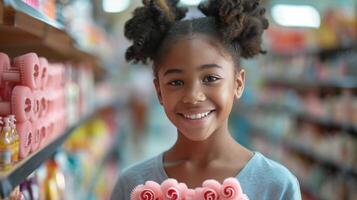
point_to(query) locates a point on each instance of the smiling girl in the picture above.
(197, 78)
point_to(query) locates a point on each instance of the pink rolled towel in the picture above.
(231, 190)
(150, 191)
(172, 190)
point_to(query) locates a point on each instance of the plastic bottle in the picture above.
(5, 145)
(15, 142)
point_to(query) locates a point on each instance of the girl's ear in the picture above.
(239, 80)
(158, 91)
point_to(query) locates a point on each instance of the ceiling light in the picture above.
(296, 15)
(114, 6)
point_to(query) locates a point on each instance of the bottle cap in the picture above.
(12, 120)
(7, 124)
(1, 123)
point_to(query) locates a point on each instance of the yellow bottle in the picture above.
(5, 145)
(15, 143)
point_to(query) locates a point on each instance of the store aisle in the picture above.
(159, 136)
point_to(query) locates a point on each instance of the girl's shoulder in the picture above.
(137, 174)
(266, 168)
(263, 177)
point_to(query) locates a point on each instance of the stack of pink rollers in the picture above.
(170, 189)
(33, 91)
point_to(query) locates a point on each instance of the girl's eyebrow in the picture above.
(201, 67)
(208, 66)
(173, 71)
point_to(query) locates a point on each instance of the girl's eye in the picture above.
(210, 79)
(176, 83)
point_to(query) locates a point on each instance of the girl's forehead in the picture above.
(194, 51)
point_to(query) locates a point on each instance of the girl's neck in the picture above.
(220, 145)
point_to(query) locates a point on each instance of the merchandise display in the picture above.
(72, 172)
(304, 113)
(47, 90)
(171, 189)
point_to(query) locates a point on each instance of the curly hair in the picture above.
(235, 25)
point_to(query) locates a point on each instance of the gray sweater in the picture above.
(260, 179)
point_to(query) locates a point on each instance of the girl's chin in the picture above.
(195, 137)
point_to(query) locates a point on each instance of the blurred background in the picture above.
(299, 105)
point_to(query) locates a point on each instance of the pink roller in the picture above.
(206, 193)
(135, 194)
(26, 71)
(213, 184)
(171, 190)
(149, 191)
(37, 103)
(36, 135)
(44, 71)
(21, 104)
(151, 185)
(43, 132)
(5, 87)
(25, 131)
(231, 190)
(190, 194)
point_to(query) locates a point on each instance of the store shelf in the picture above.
(19, 172)
(323, 122)
(305, 188)
(106, 156)
(322, 53)
(328, 123)
(23, 7)
(23, 29)
(301, 149)
(304, 85)
(346, 170)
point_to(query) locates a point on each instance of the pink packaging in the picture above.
(25, 131)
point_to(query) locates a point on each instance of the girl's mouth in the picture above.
(197, 116)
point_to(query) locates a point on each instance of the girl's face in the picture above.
(196, 83)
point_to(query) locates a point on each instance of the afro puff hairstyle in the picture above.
(237, 25)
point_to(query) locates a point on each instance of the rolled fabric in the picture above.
(190, 194)
(156, 188)
(198, 194)
(135, 194)
(213, 184)
(150, 191)
(172, 190)
(231, 190)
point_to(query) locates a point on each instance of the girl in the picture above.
(197, 77)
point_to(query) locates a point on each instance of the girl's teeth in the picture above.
(197, 116)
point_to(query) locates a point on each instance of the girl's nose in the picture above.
(194, 95)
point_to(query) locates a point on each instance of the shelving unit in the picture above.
(312, 84)
(322, 53)
(104, 158)
(346, 171)
(23, 29)
(20, 171)
(323, 122)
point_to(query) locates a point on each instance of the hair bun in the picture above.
(148, 26)
(240, 21)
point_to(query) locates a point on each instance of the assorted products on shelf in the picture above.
(32, 91)
(46, 7)
(42, 98)
(317, 180)
(305, 113)
(74, 170)
(337, 30)
(9, 142)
